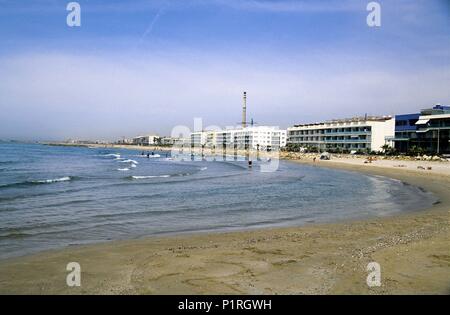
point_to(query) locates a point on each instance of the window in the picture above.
(412, 122)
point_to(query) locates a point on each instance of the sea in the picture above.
(53, 197)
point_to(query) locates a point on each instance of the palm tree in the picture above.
(386, 148)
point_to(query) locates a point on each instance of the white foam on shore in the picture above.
(123, 169)
(203, 168)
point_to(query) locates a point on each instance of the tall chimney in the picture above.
(244, 111)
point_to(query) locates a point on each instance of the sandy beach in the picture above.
(412, 250)
(194, 149)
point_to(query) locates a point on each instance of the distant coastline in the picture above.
(104, 145)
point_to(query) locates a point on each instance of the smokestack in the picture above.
(244, 111)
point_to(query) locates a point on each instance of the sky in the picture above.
(141, 67)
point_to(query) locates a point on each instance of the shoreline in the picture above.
(322, 258)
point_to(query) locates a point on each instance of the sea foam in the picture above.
(149, 176)
(54, 180)
(129, 161)
(116, 155)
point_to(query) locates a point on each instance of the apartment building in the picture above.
(145, 140)
(367, 133)
(252, 137)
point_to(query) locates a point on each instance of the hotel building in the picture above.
(168, 141)
(428, 130)
(145, 140)
(252, 137)
(368, 133)
(198, 138)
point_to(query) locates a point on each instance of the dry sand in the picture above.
(422, 167)
(413, 250)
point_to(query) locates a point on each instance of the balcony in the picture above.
(342, 133)
(348, 141)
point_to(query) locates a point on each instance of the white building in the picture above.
(353, 134)
(203, 138)
(252, 137)
(125, 141)
(210, 139)
(260, 137)
(146, 140)
(198, 138)
(168, 141)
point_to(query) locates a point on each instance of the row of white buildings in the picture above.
(148, 140)
(367, 133)
(250, 137)
(428, 130)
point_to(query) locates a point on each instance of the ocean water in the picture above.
(53, 197)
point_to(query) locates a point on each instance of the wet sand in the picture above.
(413, 250)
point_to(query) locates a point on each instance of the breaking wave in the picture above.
(157, 176)
(129, 161)
(116, 155)
(55, 180)
(37, 182)
(149, 176)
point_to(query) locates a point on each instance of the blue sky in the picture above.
(137, 67)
